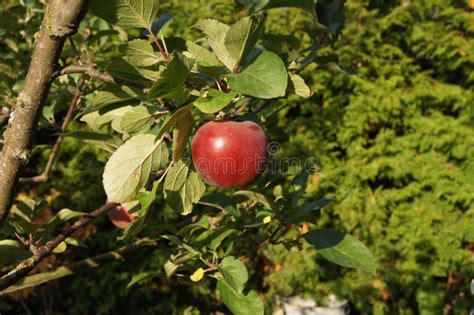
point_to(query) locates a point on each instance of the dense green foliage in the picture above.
(396, 147)
(394, 144)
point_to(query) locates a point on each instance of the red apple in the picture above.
(120, 216)
(229, 154)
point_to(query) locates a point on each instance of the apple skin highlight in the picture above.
(229, 154)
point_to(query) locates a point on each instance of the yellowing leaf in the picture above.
(184, 126)
(60, 248)
(197, 275)
(267, 219)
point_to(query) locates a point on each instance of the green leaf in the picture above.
(342, 249)
(162, 23)
(170, 84)
(241, 38)
(302, 4)
(331, 15)
(115, 94)
(265, 77)
(10, 250)
(211, 239)
(122, 69)
(215, 32)
(215, 101)
(310, 208)
(183, 188)
(104, 141)
(171, 120)
(92, 119)
(255, 5)
(146, 200)
(254, 196)
(63, 216)
(170, 268)
(222, 202)
(259, 5)
(240, 304)
(67, 214)
(140, 117)
(141, 277)
(181, 134)
(97, 119)
(60, 248)
(139, 53)
(130, 167)
(234, 273)
(202, 55)
(73, 241)
(218, 236)
(126, 13)
(30, 209)
(24, 214)
(297, 86)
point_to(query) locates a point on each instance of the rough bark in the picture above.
(61, 19)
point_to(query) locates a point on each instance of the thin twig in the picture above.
(322, 39)
(27, 310)
(240, 109)
(155, 39)
(76, 51)
(92, 262)
(73, 105)
(262, 106)
(24, 267)
(269, 239)
(91, 71)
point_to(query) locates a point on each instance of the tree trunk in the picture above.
(61, 20)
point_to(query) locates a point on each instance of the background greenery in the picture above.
(395, 145)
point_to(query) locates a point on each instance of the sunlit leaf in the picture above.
(104, 141)
(202, 55)
(184, 127)
(197, 275)
(240, 304)
(140, 117)
(342, 249)
(297, 86)
(126, 13)
(265, 77)
(241, 37)
(170, 84)
(234, 273)
(130, 167)
(215, 101)
(215, 32)
(139, 53)
(183, 188)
